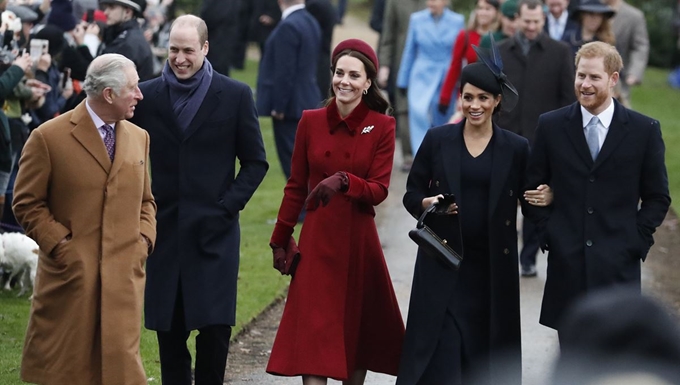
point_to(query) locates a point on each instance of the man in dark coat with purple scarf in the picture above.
(199, 122)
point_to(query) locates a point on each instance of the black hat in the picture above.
(61, 15)
(480, 76)
(138, 6)
(593, 6)
(55, 36)
(26, 14)
(492, 79)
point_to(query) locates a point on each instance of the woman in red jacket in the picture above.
(485, 19)
(341, 316)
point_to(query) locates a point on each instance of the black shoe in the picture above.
(529, 271)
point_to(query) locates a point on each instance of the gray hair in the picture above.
(106, 70)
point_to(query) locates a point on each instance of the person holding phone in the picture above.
(464, 326)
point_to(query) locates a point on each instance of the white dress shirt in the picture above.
(556, 26)
(98, 122)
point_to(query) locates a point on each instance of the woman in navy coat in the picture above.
(341, 316)
(464, 326)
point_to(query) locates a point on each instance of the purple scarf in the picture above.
(187, 96)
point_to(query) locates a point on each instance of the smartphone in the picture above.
(65, 77)
(39, 47)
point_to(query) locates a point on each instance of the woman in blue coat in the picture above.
(427, 54)
(464, 325)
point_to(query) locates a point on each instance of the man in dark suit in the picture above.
(542, 69)
(286, 84)
(609, 182)
(199, 121)
(266, 15)
(559, 22)
(222, 20)
(325, 14)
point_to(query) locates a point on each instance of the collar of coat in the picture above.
(351, 121)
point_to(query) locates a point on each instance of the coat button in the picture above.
(590, 210)
(589, 243)
(328, 153)
(436, 183)
(444, 241)
(591, 179)
(511, 192)
(506, 251)
(508, 222)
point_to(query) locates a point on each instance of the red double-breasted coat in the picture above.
(341, 314)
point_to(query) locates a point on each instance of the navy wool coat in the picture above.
(437, 170)
(596, 231)
(199, 196)
(287, 76)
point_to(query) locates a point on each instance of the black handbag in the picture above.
(432, 244)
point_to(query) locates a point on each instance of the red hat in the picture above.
(97, 15)
(359, 46)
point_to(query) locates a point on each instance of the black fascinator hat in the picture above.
(488, 75)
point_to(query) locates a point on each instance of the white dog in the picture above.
(19, 255)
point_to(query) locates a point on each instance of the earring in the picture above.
(366, 91)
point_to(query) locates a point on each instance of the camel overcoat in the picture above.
(85, 319)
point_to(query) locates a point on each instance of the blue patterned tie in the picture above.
(591, 137)
(109, 140)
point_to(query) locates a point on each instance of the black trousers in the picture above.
(284, 137)
(527, 256)
(212, 347)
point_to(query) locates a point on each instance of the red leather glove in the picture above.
(286, 260)
(325, 190)
(279, 257)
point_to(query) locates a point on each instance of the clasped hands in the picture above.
(324, 191)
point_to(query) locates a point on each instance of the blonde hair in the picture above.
(597, 49)
(473, 24)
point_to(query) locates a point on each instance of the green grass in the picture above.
(259, 284)
(657, 99)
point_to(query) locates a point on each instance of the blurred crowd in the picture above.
(46, 48)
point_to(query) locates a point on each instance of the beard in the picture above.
(592, 102)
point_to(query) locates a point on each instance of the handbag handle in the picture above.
(421, 220)
(431, 209)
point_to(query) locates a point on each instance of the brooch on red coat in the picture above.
(366, 130)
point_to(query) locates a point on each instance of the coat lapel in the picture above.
(617, 131)
(86, 133)
(210, 102)
(502, 161)
(451, 157)
(164, 107)
(574, 129)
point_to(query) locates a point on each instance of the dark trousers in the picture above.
(212, 347)
(531, 244)
(284, 136)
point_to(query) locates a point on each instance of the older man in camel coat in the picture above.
(83, 194)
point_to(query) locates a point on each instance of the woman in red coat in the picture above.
(485, 19)
(341, 316)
